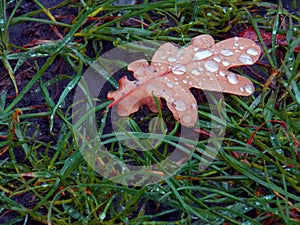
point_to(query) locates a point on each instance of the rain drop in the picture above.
(211, 66)
(171, 59)
(252, 51)
(249, 88)
(185, 81)
(179, 69)
(202, 55)
(180, 105)
(222, 73)
(217, 58)
(232, 78)
(194, 106)
(195, 72)
(246, 59)
(225, 63)
(170, 84)
(187, 118)
(226, 52)
(236, 39)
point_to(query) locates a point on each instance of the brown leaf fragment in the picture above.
(173, 71)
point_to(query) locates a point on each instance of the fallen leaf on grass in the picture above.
(173, 71)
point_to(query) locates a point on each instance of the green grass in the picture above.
(254, 178)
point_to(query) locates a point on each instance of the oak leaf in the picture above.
(173, 71)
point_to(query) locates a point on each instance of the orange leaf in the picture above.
(203, 64)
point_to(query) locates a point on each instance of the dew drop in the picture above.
(170, 84)
(179, 69)
(187, 118)
(226, 52)
(185, 81)
(211, 66)
(194, 106)
(246, 59)
(217, 58)
(180, 105)
(195, 72)
(249, 88)
(225, 63)
(252, 51)
(202, 54)
(232, 78)
(222, 73)
(236, 39)
(171, 59)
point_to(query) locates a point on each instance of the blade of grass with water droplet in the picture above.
(62, 97)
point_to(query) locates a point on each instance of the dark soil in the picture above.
(20, 35)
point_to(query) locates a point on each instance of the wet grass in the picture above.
(254, 178)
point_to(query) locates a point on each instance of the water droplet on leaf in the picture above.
(246, 59)
(187, 118)
(171, 59)
(232, 78)
(170, 84)
(195, 72)
(211, 66)
(180, 105)
(252, 51)
(202, 55)
(249, 88)
(179, 69)
(226, 52)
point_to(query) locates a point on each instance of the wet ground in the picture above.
(22, 34)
